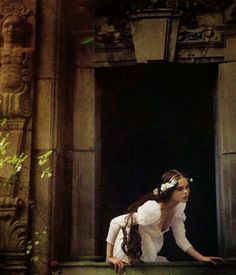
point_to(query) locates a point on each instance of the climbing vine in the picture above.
(15, 163)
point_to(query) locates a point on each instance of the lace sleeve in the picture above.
(179, 231)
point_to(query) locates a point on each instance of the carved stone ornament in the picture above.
(13, 229)
(17, 23)
(16, 59)
(113, 31)
(16, 6)
(13, 238)
(202, 34)
(184, 5)
(189, 8)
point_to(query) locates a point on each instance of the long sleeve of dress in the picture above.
(179, 231)
(115, 225)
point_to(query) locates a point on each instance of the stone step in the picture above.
(171, 268)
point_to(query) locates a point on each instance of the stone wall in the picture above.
(49, 96)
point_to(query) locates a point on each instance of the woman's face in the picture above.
(181, 192)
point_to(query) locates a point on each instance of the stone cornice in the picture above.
(114, 43)
(204, 5)
(120, 7)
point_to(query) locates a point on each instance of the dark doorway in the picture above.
(153, 118)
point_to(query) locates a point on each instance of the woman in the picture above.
(138, 235)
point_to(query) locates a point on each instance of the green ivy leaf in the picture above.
(46, 173)
(35, 258)
(44, 158)
(28, 252)
(29, 247)
(87, 40)
(36, 243)
(3, 144)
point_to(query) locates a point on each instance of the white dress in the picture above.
(148, 217)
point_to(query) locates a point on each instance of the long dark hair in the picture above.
(132, 240)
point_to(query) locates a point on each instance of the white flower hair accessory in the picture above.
(167, 185)
(155, 191)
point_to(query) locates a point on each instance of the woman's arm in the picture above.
(199, 257)
(181, 240)
(118, 263)
(115, 227)
(179, 231)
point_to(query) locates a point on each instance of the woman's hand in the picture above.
(118, 264)
(207, 259)
(211, 259)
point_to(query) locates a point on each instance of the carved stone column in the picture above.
(16, 93)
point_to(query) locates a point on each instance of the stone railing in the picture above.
(177, 268)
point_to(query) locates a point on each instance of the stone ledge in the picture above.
(171, 268)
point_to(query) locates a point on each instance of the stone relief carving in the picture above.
(18, 6)
(14, 230)
(210, 5)
(190, 8)
(202, 34)
(113, 31)
(16, 88)
(153, 4)
(16, 67)
(116, 32)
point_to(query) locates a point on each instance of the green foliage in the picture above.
(47, 173)
(34, 245)
(14, 165)
(15, 161)
(3, 145)
(42, 160)
(87, 40)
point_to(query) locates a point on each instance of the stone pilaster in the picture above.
(84, 206)
(226, 158)
(16, 95)
(48, 133)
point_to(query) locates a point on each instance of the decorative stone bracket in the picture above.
(15, 230)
